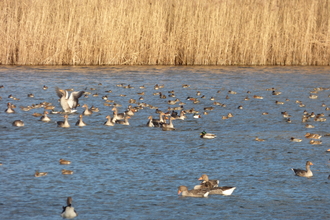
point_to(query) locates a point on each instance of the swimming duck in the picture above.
(304, 173)
(279, 103)
(258, 97)
(94, 109)
(109, 121)
(309, 126)
(67, 172)
(18, 123)
(173, 102)
(183, 190)
(45, 118)
(208, 108)
(9, 108)
(39, 174)
(65, 123)
(62, 161)
(313, 136)
(37, 114)
(276, 93)
(45, 87)
(87, 111)
(258, 139)
(68, 211)
(295, 139)
(196, 115)
(80, 122)
(68, 102)
(205, 135)
(314, 142)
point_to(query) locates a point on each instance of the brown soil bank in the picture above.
(180, 32)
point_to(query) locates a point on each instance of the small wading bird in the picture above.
(68, 211)
(68, 102)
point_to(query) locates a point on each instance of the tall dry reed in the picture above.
(182, 32)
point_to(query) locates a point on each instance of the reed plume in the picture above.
(170, 32)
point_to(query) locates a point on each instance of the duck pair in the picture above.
(207, 187)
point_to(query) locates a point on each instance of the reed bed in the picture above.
(165, 32)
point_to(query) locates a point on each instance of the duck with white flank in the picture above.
(206, 135)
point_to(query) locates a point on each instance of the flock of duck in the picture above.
(70, 101)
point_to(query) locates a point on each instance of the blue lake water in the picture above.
(133, 172)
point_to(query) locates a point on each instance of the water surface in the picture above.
(132, 172)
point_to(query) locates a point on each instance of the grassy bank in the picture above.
(182, 32)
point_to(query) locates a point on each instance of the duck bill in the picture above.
(179, 192)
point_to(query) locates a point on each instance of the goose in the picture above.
(80, 122)
(68, 211)
(68, 102)
(124, 121)
(169, 125)
(65, 123)
(39, 174)
(222, 190)
(116, 115)
(149, 123)
(181, 116)
(183, 190)
(109, 121)
(87, 111)
(45, 118)
(130, 111)
(9, 109)
(62, 161)
(206, 135)
(205, 179)
(67, 172)
(158, 122)
(304, 173)
(18, 123)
